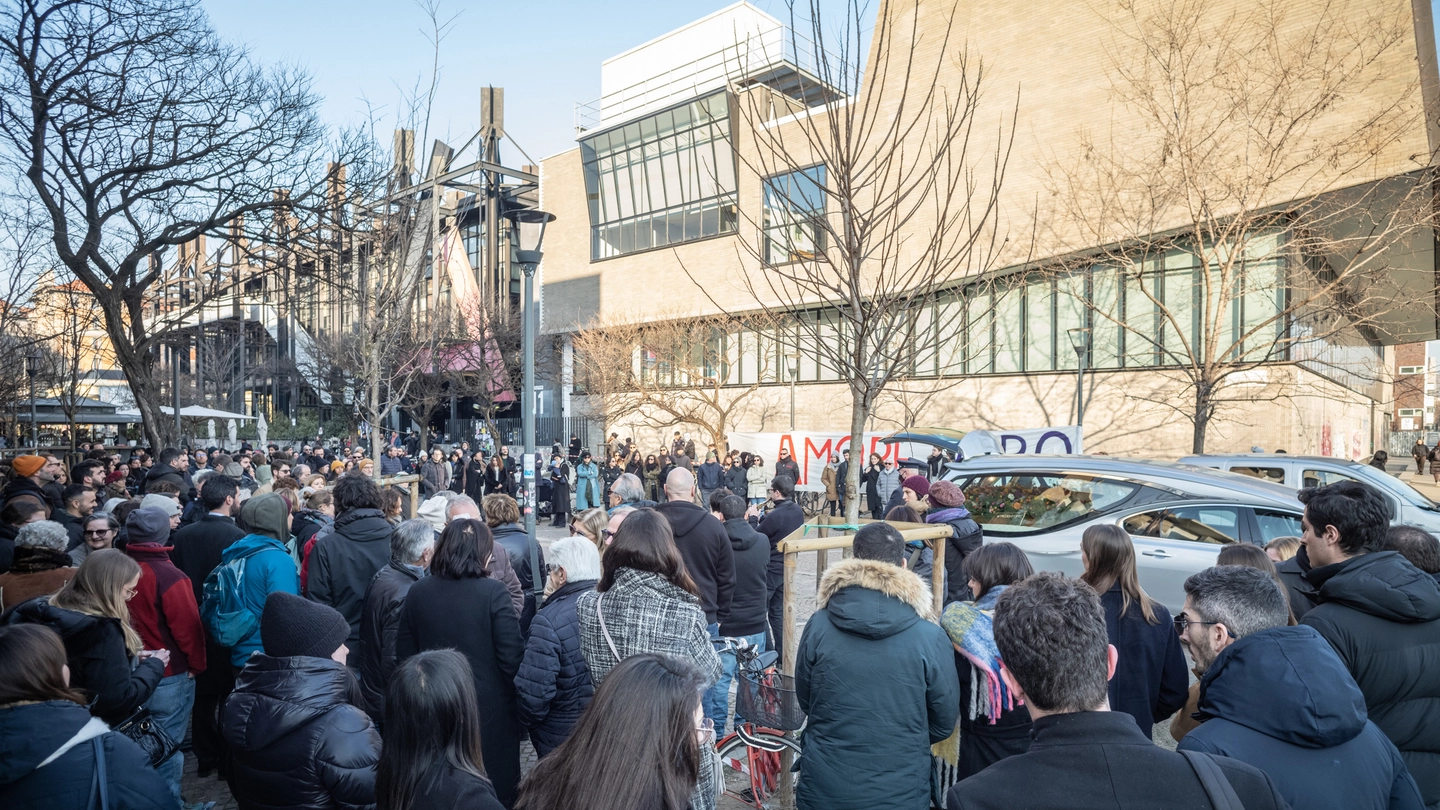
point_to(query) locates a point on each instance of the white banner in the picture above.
(1064, 441)
(813, 450)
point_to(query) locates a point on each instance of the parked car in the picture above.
(1407, 505)
(1179, 515)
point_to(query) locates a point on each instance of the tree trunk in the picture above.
(1204, 406)
(859, 409)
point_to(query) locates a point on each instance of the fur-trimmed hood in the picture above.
(873, 599)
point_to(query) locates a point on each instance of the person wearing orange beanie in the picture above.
(31, 473)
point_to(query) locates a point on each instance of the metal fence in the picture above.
(548, 430)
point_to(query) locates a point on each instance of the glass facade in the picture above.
(793, 201)
(661, 180)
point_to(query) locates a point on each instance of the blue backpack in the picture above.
(222, 608)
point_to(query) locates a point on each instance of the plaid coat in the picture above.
(645, 614)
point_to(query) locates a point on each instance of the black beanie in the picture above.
(293, 625)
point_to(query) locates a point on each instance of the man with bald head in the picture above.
(710, 561)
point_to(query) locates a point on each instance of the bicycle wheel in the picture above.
(751, 760)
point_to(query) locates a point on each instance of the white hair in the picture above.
(577, 555)
(462, 502)
(410, 540)
(42, 534)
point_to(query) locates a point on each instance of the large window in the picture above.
(793, 203)
(662, 180)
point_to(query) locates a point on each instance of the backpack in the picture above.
(222, 609)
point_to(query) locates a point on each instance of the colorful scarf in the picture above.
(947, 514)
(970, 626)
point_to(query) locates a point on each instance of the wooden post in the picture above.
(937, 575)
(414, 498)
(790, 643)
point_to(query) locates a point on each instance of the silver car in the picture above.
(1179, 515)
(1407, 504)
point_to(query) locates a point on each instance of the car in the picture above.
(1407, 505)
(1179, 515)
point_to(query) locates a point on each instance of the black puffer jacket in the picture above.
(164, 472)
(516, 542)
(553, 685)
(965, 537)
(1382, 615)
(344, 561)
(1297, 588)
(297, 738)
(31, 733)
(379, 623)
(99, 663)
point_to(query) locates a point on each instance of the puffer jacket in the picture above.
(297, 739)
(516, 543)
(32, 733)
(645, 613)
(98, 660)
(379, 625)
(344, 561)
(1382, 615)
(553, 686)
(1281, 700)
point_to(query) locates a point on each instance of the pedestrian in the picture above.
(637, 746)
(1420, 452)
(434, 474)
(40, 565)
(787, 466)
(1277, 697)
(343, 562)
(91, 615)
(709, 477)
(559, 473)
(432, 755)
(31, 475)
(748, 616)
(1416, 545)
(297, 733)
(475, 472)
(1150, 683)
(500, 567)
(164, 613)
(51, 747)
(574, 449)
(947, 505)
(1435, 462)
(993, 725)
(652, 478)
(1382, 615)
(591, 525)
(318, 513)
(267, 567)
(831, 481)
(872, 666)
(460, 585)
(629, 491)
(411, 547)
(842, 480)
(553, 685)
(587, 487)
(1050, 632)
(502, 516)
(737, 478)
(756, 481)
(781, 521)
(98, 531)
(1281, 549)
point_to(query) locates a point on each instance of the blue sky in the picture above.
(545, 54)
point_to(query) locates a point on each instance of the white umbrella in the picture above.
(231, 429)
(210, 428)
(262, 429)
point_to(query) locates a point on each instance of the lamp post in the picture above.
(32, 367)
(792, 368)
(527, 235)
(1080, 339)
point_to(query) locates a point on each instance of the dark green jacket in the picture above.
(877, 679)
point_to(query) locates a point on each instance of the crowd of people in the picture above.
(318, 650)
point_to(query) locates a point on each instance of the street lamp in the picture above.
(527, 236)
(792, 368)
(32, 367)
(1080, 339)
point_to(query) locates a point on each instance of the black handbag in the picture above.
(144, 731)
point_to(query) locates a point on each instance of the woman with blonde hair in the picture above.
(92, 617)
(1282, 548)
(1150, 683)
(591, 524)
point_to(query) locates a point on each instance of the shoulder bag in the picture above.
(142, 729)
(1217, 788)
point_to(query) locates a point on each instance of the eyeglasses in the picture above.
(95, 532)
(1182, 621)
(606, 534)
(130, 593)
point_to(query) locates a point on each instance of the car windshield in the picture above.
(1392, 485)
(1012, 503)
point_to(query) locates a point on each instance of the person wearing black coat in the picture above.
(748, 617)
(475, 477)
(1292, 575)
(380, 618)
(297, 734)
(489, 638)
(947, 505)
(517, 545)
(787, 466)
(735, 480)
(343, 562)
(553, 686)
(780, 522)
(1151, 682)
(702, 543)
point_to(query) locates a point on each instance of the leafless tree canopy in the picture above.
(1230, 203)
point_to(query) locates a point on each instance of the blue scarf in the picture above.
(947, 515)
(970, 626)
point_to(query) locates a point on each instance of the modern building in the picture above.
(669, 207)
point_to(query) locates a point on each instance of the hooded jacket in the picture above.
(379, 625)
(268, 568)
(1382, 615)
(703, 544)
(709, 476)
(553, 686)
(1281, 700)
(871, 651)
(32, 733)
(748, 605)
(296, 738)
(344, 561)
(98, 660)
(163, 610)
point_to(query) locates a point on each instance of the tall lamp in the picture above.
(792, 368)
(32, 368)
(1080, 339)
(527, 236)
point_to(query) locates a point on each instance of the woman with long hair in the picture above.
(1150, 683)
(993, 725)
(757, 481)
(634, 464)
(652, 477)
(496, 478)
(640, 744)
(587, 483)
(489, 638)
(475, 471)
(46, 720)
(432, 752)
(91, 613)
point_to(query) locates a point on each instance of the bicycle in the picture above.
(751, 754)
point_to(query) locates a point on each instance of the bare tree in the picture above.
(671, 371)
(879, 201)
(137, 129)
(1237, 225)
